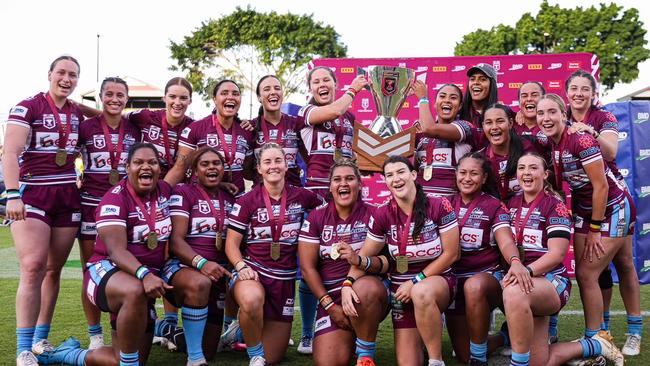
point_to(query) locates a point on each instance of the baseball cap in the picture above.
(487, 69)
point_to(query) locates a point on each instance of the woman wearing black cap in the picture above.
(481, 92)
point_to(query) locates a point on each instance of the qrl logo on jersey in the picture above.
(471, 238)
(262, 216)
(328, 230)
(99, 142)
(532, 238)
(154, 132)
(212, 140)
(204, 208)
(48, 121)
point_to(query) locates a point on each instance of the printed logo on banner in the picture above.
(458, 68)
(555, 66)
(645, 191)
(365, 103)
(574, 65)
(347, 70)
(496, 64)
(645, 229)
(499, 85)
(516, 67)
(622, 135)
(535, 66)
(624, 172)
(439, 68)
(642, 117)
(643, 154)
(514, 85)
(554, 84)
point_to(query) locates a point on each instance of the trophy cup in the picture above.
(389, 87)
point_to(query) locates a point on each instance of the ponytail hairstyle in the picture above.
(215, 90)
(490, 185)
(539, 85)
(516, 145)
(113, 79)
(268, 146)
(548, 187)
(421, 204)
(344, 162)
(65, 57)
(312, 100)
(179, 81)
(260, 111)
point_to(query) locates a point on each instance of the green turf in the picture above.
(69, 321)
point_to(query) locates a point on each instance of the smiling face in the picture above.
(551, 119)
(580, 93)
(322, 87)
(143, 170)
(270, 94)
(272, 165)
(344, 186)
(531, 174)
(470, 176)
(496, 126)
(63, 78)
(448, 102)
(529, 95)
(399, 179)
(227, 100)
(177, 99)
(209, 170)
(479, 86)
(114, 97)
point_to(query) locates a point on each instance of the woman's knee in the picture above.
(369, 289)
(422, 295)
(515, 299)
(32, 272)
(251, 300)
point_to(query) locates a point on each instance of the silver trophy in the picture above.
(389, 87)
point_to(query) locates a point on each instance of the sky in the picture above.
(135, 35)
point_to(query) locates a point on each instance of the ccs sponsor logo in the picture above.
(643, 154)
(642, 117)
(554, 84)
(347, 70)
(439, 68)
(534, 66)
(471, 238)
(514, 85)
(555, 66)
(516, 67)
(573, 65)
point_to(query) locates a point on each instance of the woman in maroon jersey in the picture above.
(529, 94)
(197, 269)
(421, 235)
(328, 232)
(105, 141)
(542, 226)
(269, 218)
(485, 237)
(42, 200)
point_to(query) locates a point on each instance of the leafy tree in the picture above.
(614, 34)
(246, 45)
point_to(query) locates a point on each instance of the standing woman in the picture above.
(481, 93)
(602, 210)
(105, 141)
(529, 94)
(542, 225)
(222, 131)
(342, 220)
(437, 158)
(485, 237)
(197, 269)
(421, 235)
(328, 131)
(269, 218)
(42, 200)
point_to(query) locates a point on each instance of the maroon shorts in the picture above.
(88, 226)
(618, 222)
(404, 314)
(324, 323)
(55, 205)
(457, 306)
(279, 297)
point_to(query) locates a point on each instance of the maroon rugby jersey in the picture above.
(290, 127)
(580, 149)
(320, 142)
(250, 218)
(324, 227)
(203, 133)
(550, 219)
(386, 222)
(151, 124)
(479, 250)
(187, 201)
(603, 122)
(117, 208)
(95, 152)
(534, 132)
(38, 160)
(501, 161)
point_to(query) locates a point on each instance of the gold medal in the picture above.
(152, 240)
(275, 251)
(428, 173)
(334, 251)
(61, 157)
(218, 242)
(402, 264)
(338, 154)
(113, 177)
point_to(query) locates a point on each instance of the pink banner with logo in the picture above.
(549, 69)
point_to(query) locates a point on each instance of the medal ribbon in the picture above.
(267, 136)
(339, 131)
(168, 154)
(149, 217)
(431, 144)
(402, 234)
(276, 224)
(228, 155)
(470, 209)
(115, 159)
(218, 215)
(520, 224)
(63, 133)
(502, 179)
(558, 167)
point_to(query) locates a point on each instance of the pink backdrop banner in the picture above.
(549, 69)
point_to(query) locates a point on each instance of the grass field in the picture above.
(69, 321)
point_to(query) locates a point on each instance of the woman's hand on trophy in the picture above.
(359, 83)
(420, 89)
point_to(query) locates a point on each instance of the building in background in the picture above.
(141, 95)
(643, 94)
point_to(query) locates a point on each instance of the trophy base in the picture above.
(372, 150)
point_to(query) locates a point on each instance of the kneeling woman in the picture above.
(421, 233)
(484, 223)
(543, 219)
(269, 218)
(197, 269)
(340, 224)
